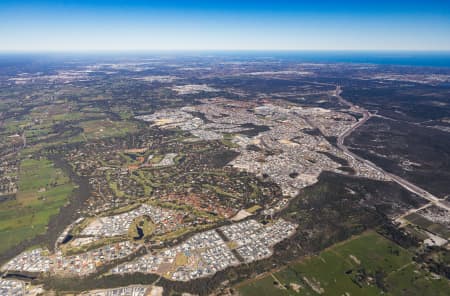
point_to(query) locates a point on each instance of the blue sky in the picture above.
(224, 25)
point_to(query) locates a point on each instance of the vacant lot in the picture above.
(43, 189)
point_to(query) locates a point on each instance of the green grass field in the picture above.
(43, 189)
(352, 267)
(98, 129)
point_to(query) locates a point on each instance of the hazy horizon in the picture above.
(380, 57)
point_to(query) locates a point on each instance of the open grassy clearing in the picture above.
(97, 129)
(181, 259)
(413, 281)
(254, 209)
(43, 189)
(366, 265)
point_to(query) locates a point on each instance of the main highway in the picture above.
(399, 180)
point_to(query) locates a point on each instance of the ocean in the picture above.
(405, 58)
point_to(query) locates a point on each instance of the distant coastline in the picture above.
(397, 58)
(404, 58)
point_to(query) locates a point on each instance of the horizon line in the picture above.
(221, 50)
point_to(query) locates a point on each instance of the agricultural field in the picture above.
(98, 129)
(368, 264)
(425, 223)
(43, 189)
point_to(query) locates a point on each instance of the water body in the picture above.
(67, 239)
(14, 63)
(19, 276)
(404, 58)
(140, 233)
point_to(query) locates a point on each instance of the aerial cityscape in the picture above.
(246, 165)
